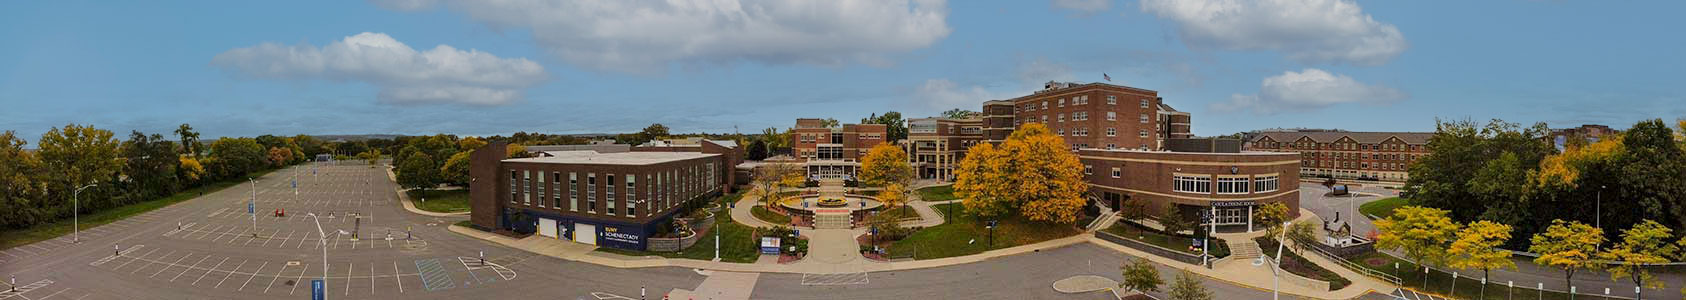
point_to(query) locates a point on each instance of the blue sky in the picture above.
(234, 68)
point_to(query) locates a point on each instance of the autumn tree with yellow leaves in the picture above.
(1644, 244)
(1421, 233)
(1033, 171)
(887, 166)
(1477, 247)
(1569, 246)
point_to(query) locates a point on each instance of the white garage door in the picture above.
(585, 233)
(547, 227)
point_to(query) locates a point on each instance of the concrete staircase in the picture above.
(831, 221)
(1244, 249)
(1104, 221)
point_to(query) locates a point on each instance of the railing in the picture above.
(1357, 268)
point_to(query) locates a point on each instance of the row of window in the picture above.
(1078, 100)
(1346, 146)
(662, 190)
(1229, 185)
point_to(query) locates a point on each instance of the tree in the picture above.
(1174, 220)
(1188, 287)
(1653, 172)
(190, 169)
(1031, 171)
(1477, 247)
(1644, 244)
(757, 150)
(455, 170)
(1458, 152)
(1421, 233)
(959, 114)
(885, 164)
(829, 123)
(1303, 234)
(1140, 275)
(280, 157)
(418, 172)
(516, 151)
(775, 139)
(189, 140)
(981, 181)
(470, 143)
(895, 129)
(373, 156)
(771, 178)
(1567, 245)
(236, 157)
(894, 195)
(21, 190)
(1272, 216)
(78, 155)
(150, 164)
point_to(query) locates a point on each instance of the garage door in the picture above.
(585, 233)
(547, 227)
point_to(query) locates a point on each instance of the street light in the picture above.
(1275, 264)
(76, 216)
(322, 241)
(991, 227)
(1598, 209)
(252, 207)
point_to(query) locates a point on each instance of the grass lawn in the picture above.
(951, 239)
(1382, 208)
(18, 237)
(902, 212)
(1179, 243)
(1298, 265)
(737, 241)
(447, 201)
(937, 193)
(762, 213)
(1441, 282)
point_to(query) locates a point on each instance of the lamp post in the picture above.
(76, 216)
(252, 207)
(991, 227)
(1275, 264)
(324, 242)
(1598, 209)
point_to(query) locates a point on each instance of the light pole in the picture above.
(324, 243)
(76, 216)
(1275, 264)
(252, 207)
(1598, 209)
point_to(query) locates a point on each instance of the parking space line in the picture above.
(397, 277)
(208, 271)
(195, 266)
(9, 254)
(300, 279)
(348, 270)
(254, 275)
(231, 274)
(167, 267)
(283, 241)
(132, 259)
(31, 253)
(150, 262)
(272, 279)
(48, 295)
(336, 242)
(372, 279)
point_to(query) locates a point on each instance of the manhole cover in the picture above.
(292, 263)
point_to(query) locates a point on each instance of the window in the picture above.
(527, 188)
(1117, 173)
(1142, 133)
(1144, 118)
(1111, 100)
(1088, 170)
(1059, 132)
(1111, 146)
(541, 187)
(1111, 131)
(573, 191)
(609, 193)
(1232, 185)
(1191, 184)
(1144, 103)
(632, 195)
(1044, 104)
(1044, 119)
(591, 192)
(1111, 116)
(1060, 118)
(513, 178)
(556, 192)
(1062, 102)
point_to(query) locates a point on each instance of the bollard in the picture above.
(14, 282)
(114, 251)
(482, 257)
(640, 292)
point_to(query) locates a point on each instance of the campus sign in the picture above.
(614, 234)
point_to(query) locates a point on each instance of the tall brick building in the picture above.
(1373, 156)
(935, 146)
(834, 152)
(1104, 116)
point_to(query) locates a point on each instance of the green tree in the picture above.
(1477, 247)
(189, 140)
(1644, 244)
(418, 172)
(895, 127)
(150, 164)
(236, 157)
(1569, 246)
(74, 156)
(1459, 151)
(1653, 172)
(757, 150)
(958, 114)
(1271, 216)
(775, 139)
(1187, 286)
(1421, 233)
(830, 123)
(1140, 275)
(455, 170)
(20, 190)
(1175, 221)
(1303, 234)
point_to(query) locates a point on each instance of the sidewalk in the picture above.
(405, 199)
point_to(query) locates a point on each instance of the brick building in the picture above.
(1589, 133)
(935, 146)
(607, 199)
(1370, 156)
(1100, 115)
(834, 152)
(1228, 186)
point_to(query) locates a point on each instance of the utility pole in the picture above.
(252, 207)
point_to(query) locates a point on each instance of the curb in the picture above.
(405, 199)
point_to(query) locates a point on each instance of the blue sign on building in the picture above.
(317, 290)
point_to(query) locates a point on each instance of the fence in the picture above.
(1357, 268)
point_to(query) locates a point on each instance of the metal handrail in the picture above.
(1357, 268)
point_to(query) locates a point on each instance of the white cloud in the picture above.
(942, 94)
(1304, 30)
(440, 75)
(1310, 89)
(1084, 6)
(647, 36)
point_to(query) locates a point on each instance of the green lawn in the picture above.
(1441, 282)
(1382, 208)
(18, 237)
(447, 201)
(937, 193)
(737, 243)
(762, 213)
(1128, 230)
(1298, 265)
(951, 239)
(902, 212)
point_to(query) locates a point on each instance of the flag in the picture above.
(1107, 77)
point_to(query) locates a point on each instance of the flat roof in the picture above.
(619, 158)
(1243, 152)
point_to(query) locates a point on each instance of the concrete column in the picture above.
(1249, 218)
